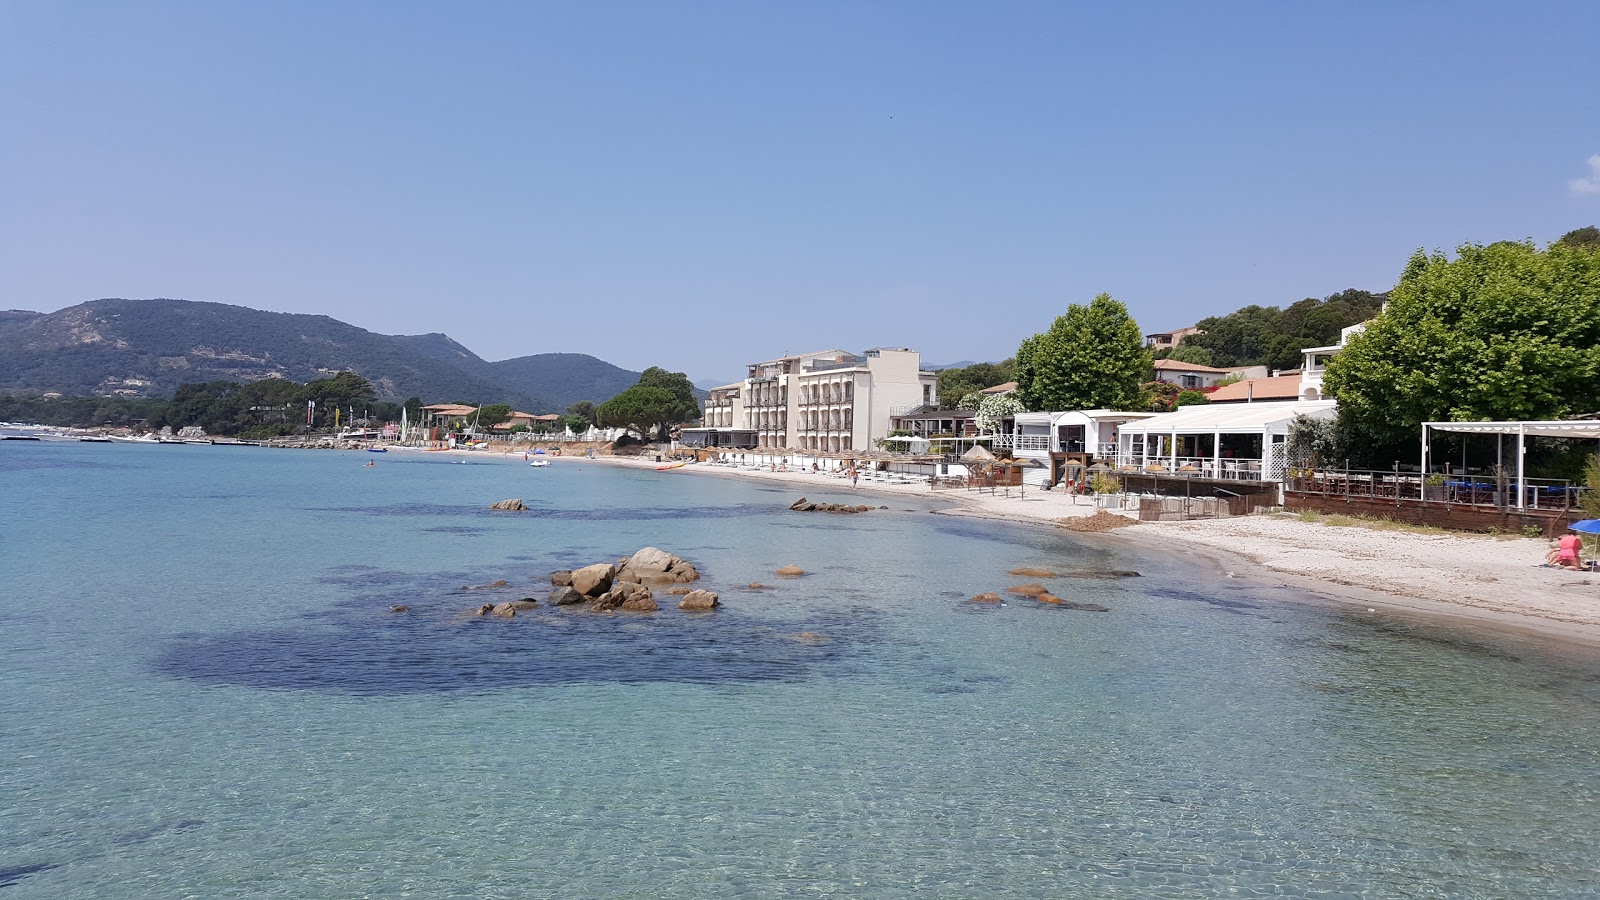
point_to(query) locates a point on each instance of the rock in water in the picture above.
(798, 504)
(1033, 572)
(592, 581)
(400, 608)
(653, 566)
(1031, 589)
(986, 597)
(699, 600)
(625, 595)
(679, 590)
(565, 596)
(790, 571)
(484, 610)
(505, 611)
(509, 505)
(562, 578)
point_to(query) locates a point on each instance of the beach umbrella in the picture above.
(977, 454)
(1587, 526)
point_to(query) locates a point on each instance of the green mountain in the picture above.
(146, 348)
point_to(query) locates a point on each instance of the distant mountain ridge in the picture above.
(146, 348)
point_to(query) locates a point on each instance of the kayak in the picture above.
(676, 465)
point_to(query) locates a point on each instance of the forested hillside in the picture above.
(1274, 336)
(147, 348)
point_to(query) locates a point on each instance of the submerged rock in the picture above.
(1032, 572)
(1101, 573)
(986, 597)
(789, 571)
(399, 608)
(513, 505)
(484, 610)
(1031, 589)
(504, 611)
(562, 578)
(679, 590)
(485, 587)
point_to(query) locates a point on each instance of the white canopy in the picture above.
(1232, 418)
(1568, 428)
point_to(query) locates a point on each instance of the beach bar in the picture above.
(1225, 442)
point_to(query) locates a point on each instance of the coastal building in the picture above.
(1316, 362)
(832, 401)
(1057, 439)
(1195, 377)
(1225, 441)
(1166, 340)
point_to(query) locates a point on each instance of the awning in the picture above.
(1232, 418)
(1565, 428)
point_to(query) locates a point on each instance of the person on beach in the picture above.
(854, 476)
(1567, 551)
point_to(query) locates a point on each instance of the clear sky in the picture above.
(699, 185)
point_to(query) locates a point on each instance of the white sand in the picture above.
(1489, 580)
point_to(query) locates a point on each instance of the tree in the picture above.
(492, 415)
(1190, 398)
(955, 384)
(1585, 237)
(641, 408)
(1502, 332)
(585, 409)
(1266, 335)
(1194, 354)
(686, 407)
(994, 408)
(577, 424)
(1092, 357)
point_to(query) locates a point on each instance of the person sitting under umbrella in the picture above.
(1567, 551)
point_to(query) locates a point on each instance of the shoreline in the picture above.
(1476, 581)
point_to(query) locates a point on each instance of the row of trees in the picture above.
(658, 401)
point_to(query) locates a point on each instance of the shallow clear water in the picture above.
(206, 696)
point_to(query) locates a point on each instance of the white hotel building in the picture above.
(828, 402)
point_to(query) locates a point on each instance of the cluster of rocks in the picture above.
(513, 505)
(804, 505)
(626, 584)
(1040, 594)
(506, 610)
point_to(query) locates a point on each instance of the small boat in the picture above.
(539, 463)
(18, 437)
(377, 449)
(197, 441)
(94, 440)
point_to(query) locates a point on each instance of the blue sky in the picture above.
(699, 185)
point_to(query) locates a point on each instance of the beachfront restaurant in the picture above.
(1223, 442)
(1057, 440)
(719, 438)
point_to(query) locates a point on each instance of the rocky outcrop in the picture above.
(789, 571)
(504, 611)
(804, 505)
(1031, 589)
(1032, 572)
(509, 506)
(565, 596)
(653, 566)
(699, 600)
(399, 608)
(484, 610)
(626, 595)
(592, 581)
(562, 578)
(986, 597)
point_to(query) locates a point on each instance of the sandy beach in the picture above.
(1496, 581)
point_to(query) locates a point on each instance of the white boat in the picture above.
(142, 439)
(539, 463)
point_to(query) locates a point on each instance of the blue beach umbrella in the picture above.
(1587, 526)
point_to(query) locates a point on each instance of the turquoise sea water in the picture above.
(205, 695)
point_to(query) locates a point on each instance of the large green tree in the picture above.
(1092, 357)
(957, 383)
(686, 407)
(642, 408)
(1501, 332)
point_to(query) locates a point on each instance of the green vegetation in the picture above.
(955, 385)
(1501, 332)
(492, 414)
(660, 399)
(1092, 357)
(1274, 337)
(90, 412)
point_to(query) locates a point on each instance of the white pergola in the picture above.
(1576, 429)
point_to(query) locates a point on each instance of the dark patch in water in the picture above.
(1446, 640)
(1223, 603)
(13, 874)
(145, 834)
(617, 514)
(443, 653)
(459, 529)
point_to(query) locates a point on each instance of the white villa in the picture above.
(1242, 441)
(1055, 438)
(833, 401)
(1316, 362)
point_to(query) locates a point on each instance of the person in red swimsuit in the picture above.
(1567, 551)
